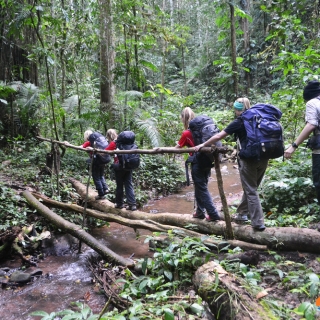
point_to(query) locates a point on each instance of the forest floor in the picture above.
(285, 277)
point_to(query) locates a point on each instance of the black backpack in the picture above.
(264, 133)
(126, 141)
(99, 141)
(203, 128)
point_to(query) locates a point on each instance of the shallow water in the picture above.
(65, 277)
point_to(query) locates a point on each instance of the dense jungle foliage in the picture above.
(134, 65)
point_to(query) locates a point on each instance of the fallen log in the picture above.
(76, 231)
(281, 238)
(147, 225)
(226, 295)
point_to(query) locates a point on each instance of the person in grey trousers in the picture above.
(251, 171)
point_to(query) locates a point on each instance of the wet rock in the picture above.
(20, 277)
(3, 281)
(5, 269)
(2, 273)
(36, 273)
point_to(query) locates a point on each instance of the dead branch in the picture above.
(159, 150)
(76, 231)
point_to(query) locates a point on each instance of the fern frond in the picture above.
(148, 127)
(70, 103)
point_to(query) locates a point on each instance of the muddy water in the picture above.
(65, 277)
(183, 202)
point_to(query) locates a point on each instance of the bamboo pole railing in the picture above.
(158, 150)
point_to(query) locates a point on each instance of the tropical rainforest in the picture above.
(69, 66)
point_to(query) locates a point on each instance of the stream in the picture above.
(65, 277)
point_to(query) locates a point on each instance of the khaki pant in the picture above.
(251, 175)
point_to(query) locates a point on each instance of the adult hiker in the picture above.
(123, 176)
(311, 95)
(98, 164)
(200, 172)
(251, 171)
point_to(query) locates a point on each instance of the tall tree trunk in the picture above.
(233, 51)
(245, 4)
(107, 62)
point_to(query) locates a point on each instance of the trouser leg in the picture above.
(316, 174)
(97, 178)
(131, 200)
(251, 175)
(119, 188)
(200, 178)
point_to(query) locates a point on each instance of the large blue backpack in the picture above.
(203, 128)
(99, 141)
(264, 133)
(126, 141)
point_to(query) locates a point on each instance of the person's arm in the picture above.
(212, 140)
(111, 146)
(305, 133)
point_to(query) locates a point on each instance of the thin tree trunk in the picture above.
(233, 51)
(107, 62)
(246, 41)
(229, 231)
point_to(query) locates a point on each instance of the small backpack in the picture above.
(264, 133)
(203, 128)
(126, 141)
(99, 141)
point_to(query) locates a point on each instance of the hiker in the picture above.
(200, 174)
(97, 169)
(311, 95)
(251, 171)
(123, 176)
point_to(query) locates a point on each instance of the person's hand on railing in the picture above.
(198, 147)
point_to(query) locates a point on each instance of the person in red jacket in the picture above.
(200, 175)
(123, 177)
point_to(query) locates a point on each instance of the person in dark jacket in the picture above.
(123, 177)
(251, 171)
(97, 170)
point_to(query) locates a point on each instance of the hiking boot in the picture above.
(100, 197)
(215, 218)
(119, 206)
(198, 215)
(105, 191)
(131, 207)
(240, 218)
(259, 228)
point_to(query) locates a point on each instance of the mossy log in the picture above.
(281, 238)
(226, 295)
(76, 231)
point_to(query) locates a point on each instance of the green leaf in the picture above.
(168, 274)
(314, 278)
(149, 65)
(168, 314)
(197, 309)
